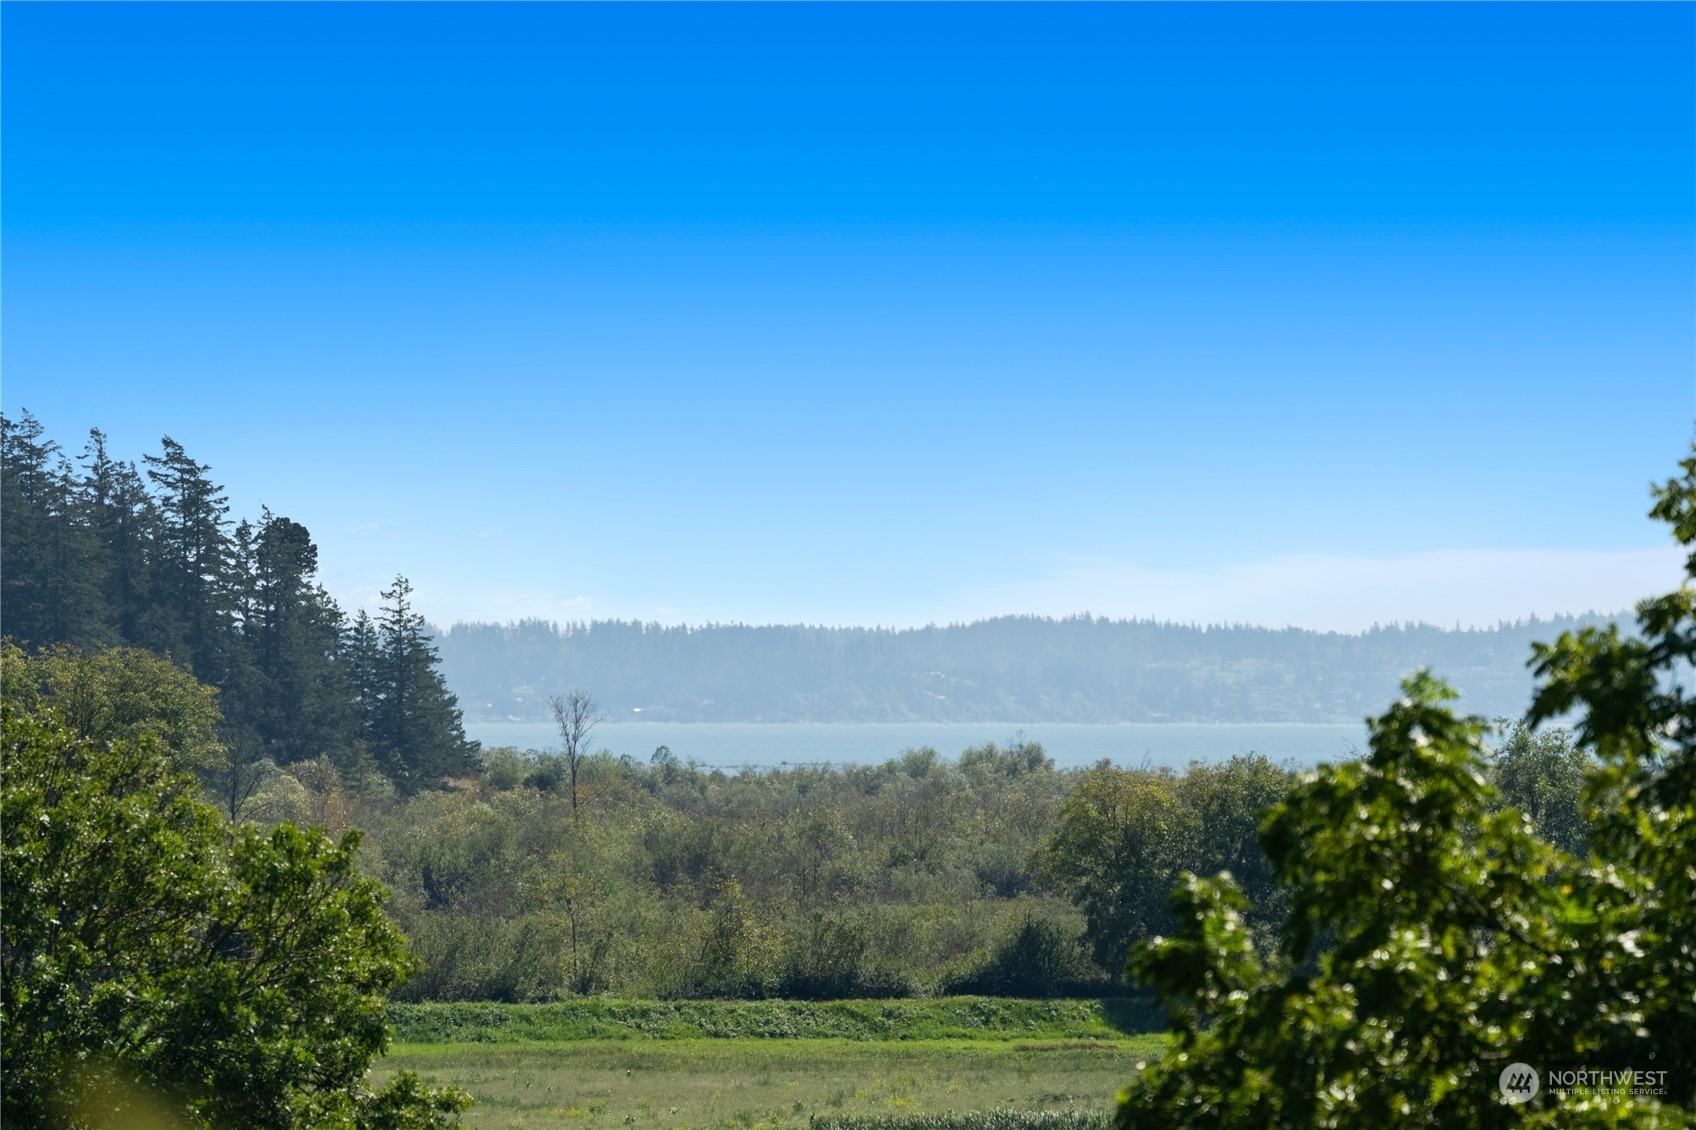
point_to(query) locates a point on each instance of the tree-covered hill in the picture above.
(1008, 669)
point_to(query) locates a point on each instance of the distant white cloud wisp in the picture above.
(1472, 587)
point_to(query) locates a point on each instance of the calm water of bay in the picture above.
(765, 745)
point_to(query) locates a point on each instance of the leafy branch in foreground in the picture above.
(1430, 944)
(160, 965)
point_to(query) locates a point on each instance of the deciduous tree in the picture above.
(1432, 944)
(119, 694)
(575, 716)
(152, 955)
(1117, 850)
(1541, 773)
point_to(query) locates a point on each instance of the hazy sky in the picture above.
(1320, 315)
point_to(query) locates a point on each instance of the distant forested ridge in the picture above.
(1007, 669)
(100, 552)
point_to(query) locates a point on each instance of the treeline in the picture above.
(100, 552)
(990, 873)
(1008, 669)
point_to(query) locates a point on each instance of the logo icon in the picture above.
(1519, 1082)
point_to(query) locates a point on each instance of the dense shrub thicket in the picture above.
(676, 881)
(992, 873)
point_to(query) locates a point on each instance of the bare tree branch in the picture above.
(576, 716)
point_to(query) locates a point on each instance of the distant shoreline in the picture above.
(1072, 745)
(1082, 670)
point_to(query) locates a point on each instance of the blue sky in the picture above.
(1324, 315)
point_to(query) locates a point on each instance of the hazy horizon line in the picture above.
(570, 627)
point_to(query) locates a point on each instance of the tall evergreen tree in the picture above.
(123, 520)
(295, 628)
(363, 660)
(245, 690)
(52, 565)
(419, 736)
(192, 574)
(242, 585)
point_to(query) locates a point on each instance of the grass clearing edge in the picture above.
(941, 1018)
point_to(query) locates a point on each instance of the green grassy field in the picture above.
(755, 1083)
(670, 1077)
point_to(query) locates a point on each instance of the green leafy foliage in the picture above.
(1434, 939)
(598, 1018)
(678, 881)
(1124, 836)
(119, 694)
(1541, 773)
(1041, 958)
(919, 876)
(231, 977)
(1117, 849)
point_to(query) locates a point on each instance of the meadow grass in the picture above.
(1069, 1119)
(773, 1084)
(941, 1018)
